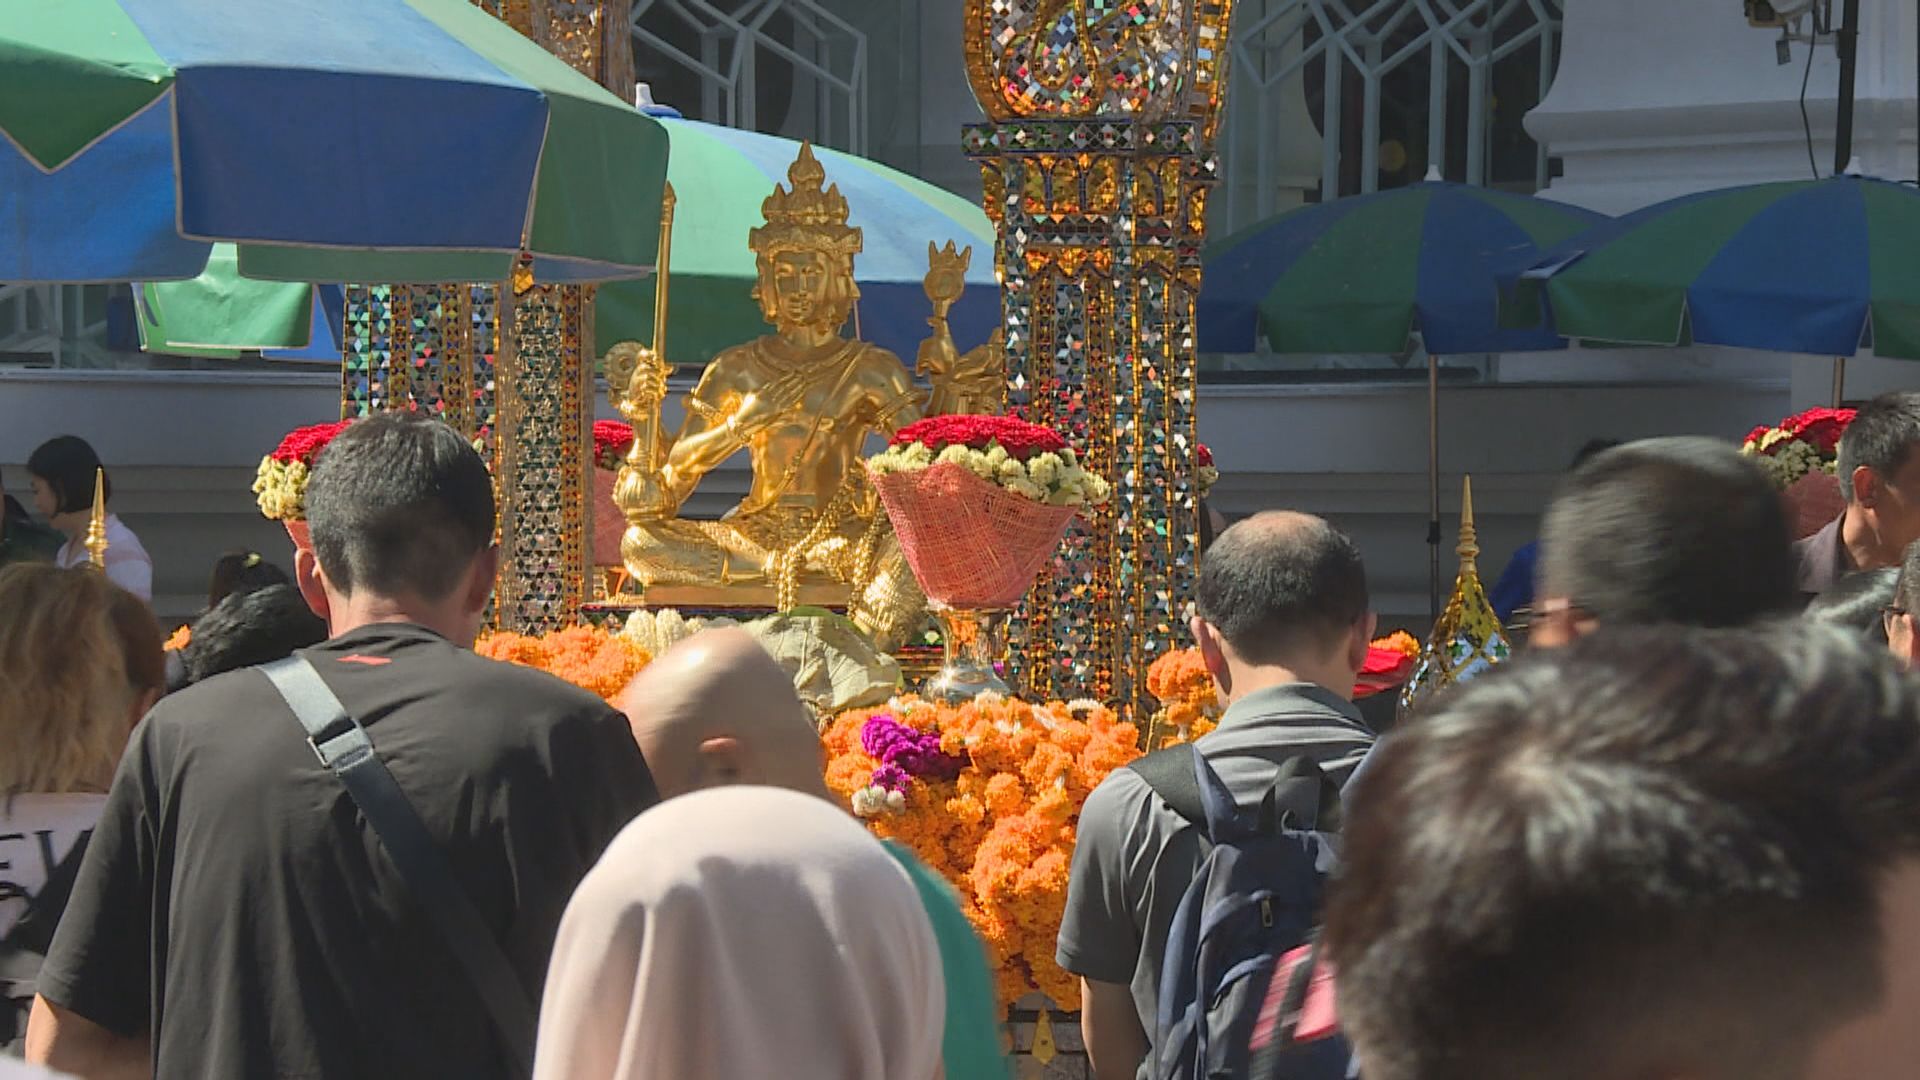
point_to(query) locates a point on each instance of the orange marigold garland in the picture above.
(586, 656)
(1002, 830)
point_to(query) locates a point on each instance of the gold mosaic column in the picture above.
(544, 435)
(514, 362)
(1097, 156)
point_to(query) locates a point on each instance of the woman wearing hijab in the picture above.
(743, 932)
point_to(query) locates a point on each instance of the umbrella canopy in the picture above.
(1807, 266)
(221, 314)
(721, 175)
(331, 140)
(1364, 274)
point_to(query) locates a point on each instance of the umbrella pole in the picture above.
(1839, 380)
(1433, 487)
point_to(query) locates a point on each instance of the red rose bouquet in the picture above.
(281, 482)
(1801, 456)
(611, 441)
(1803, 443)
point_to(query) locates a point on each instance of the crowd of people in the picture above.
(1678, 838)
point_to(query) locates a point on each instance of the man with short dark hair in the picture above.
(1675, 530)
(1283, 624)
(1664, 852)
(236, 911)
(1880, 481)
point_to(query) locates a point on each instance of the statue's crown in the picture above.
(804, 215)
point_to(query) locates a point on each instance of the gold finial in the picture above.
(97, 524)
(1468, 639)
(1469, 546)
(803, 216)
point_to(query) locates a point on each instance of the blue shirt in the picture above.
(1514, 590)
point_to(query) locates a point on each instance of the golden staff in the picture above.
(97, 526)
(667, 200)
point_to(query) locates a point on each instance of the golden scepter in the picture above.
(637, 385)
(97, 525)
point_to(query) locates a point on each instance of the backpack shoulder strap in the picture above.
(1170, 774)
(343, 747)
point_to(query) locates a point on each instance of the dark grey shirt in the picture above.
(1134, 856)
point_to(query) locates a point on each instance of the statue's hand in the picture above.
(644, 498)
(636, 380)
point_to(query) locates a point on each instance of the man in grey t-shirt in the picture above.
(1283, 624)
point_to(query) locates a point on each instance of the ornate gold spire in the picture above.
(1468, 638)
(97, 524)
(804, 216)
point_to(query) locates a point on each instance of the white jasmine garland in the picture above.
(1055, 479)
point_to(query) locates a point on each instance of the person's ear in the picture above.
(1213, 653)
(1360, 642)
(486, 570)
(722, 760)
(312, 582)
(1865, 491)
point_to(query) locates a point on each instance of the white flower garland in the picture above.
(281, 487)
(1054, 479)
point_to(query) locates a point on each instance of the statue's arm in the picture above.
(706, 437)
(896, 401)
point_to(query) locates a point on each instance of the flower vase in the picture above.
(976, 642)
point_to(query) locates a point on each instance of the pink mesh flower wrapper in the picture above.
(971, 543)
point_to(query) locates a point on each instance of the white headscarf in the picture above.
(744, 932)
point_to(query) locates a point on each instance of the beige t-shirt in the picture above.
(36, 832)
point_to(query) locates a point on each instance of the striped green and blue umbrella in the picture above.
(720, 177)
(1365, 274)
(1811, 266)
(330, 140)
(1368, 273)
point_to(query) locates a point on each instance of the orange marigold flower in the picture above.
(586, 656)
(178, 639)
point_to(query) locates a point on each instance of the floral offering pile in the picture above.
(1208, 474)
(988, 794)
(281, 482)
(611, 441)
(1189, 705)
(586, 656)
(1802, 444)
(1023, 458)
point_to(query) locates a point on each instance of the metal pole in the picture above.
(1847, 44)
(1433, 486)
(1839, 380)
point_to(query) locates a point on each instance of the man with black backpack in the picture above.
(1222, 845)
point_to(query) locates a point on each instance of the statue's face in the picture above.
(801, 282)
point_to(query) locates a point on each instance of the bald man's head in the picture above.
(715, 709)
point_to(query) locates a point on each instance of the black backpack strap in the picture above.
(1170, 774)
(343, 747)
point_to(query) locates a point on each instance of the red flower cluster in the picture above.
(611, 441)
(1202, 455)
(1020, 439)
(1820, 427)
(304, 444)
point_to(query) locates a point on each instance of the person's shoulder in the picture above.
(484, 676)
(1116, 799)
